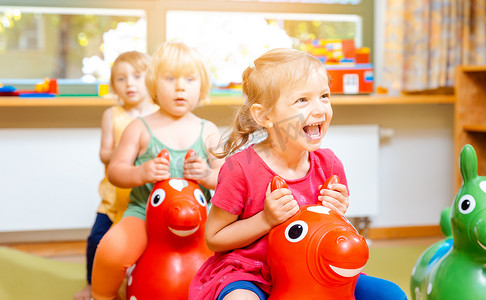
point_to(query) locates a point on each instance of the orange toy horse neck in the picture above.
(176, 218)
(316, 254)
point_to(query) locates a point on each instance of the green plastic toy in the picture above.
(455, 267)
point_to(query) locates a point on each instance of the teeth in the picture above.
(315, 132)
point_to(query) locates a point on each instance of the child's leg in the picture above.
(100, 227)
(372, 288)
(120, 248)
(242, 290)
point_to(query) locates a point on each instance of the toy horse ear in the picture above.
(278, 183)
(468, 163)
(164, 154)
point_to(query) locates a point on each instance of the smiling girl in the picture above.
(288, 100)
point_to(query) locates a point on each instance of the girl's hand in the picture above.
(154, 170)
(335, 197)
(279, 206)
(196, 168)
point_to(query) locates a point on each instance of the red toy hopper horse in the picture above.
(316, 254)
(176, 220)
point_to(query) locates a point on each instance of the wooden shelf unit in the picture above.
(229, 100)
(470, 115)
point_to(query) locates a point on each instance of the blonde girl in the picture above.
(177, 79)
(288, 99)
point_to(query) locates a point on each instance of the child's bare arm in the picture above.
(123, 173)
(198, 169)
(107, 145)
(225, 232)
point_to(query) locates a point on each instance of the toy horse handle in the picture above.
(331, 180)
(164, 153)
(279, 183)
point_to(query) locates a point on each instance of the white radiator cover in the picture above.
(49, 177)
(357, 146)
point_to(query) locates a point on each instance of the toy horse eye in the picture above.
(296, 231)
(467, 203)
(158, 197)
(200, 197)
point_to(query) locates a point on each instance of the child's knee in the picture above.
(110, 251)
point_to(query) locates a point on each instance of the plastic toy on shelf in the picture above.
(316, 254)
(176, 220)
(349, 68)
(453, 268)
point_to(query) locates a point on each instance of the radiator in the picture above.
(357, 146)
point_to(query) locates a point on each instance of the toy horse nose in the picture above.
(184, 215)
(339, 243)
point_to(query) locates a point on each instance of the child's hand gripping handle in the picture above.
(280, 205)
(278, 183)
(334, 195)
(190, 152)
(164, 153)
(331, 180)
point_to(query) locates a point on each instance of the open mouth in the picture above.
(346, 272)
(313, 131)
(183, 233)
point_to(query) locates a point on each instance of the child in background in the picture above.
(177, 80)
(288, 98)
(127, 80)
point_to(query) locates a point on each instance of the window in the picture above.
(81, 40)
(67, 42)
(230, 40)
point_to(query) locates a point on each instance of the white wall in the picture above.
(49, 178)
(416, 165)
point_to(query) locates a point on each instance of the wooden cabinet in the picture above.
(470, 115)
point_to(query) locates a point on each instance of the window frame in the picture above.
(156, 10)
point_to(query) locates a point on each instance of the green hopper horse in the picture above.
(455, 268)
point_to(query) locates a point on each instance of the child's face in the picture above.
(302, 114)
(129, 84)
(178, 95)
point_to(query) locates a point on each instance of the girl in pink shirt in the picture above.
(288, 100)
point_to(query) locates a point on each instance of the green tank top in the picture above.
(139, 195)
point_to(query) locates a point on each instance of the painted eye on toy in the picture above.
(200, 197)
(296, 231)
(158, 197)
(467, 203)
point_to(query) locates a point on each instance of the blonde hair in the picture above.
(262, 83)
(138, 60)
(181, 60)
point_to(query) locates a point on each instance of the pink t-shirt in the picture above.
(241, 188)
